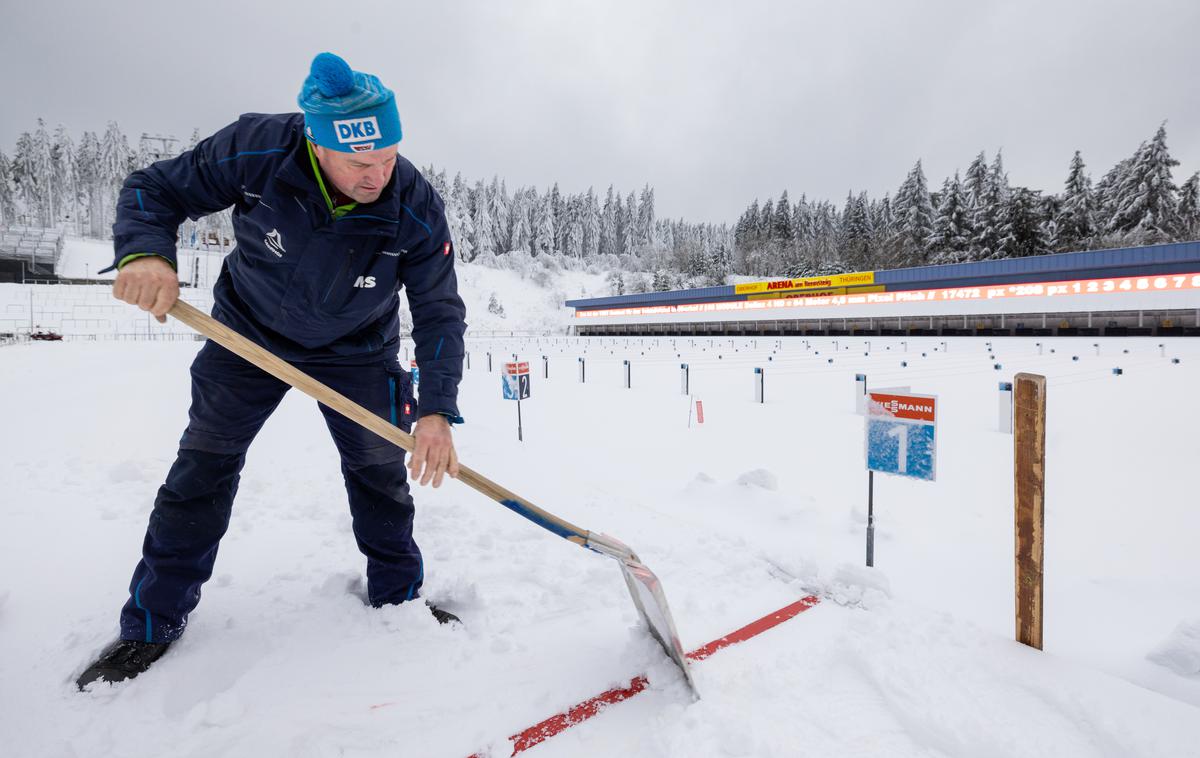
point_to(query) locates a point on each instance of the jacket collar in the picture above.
(381, 217)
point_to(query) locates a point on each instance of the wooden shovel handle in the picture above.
(286, 372)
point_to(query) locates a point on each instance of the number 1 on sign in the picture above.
(900, 431)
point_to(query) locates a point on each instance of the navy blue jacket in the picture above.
(306, 286)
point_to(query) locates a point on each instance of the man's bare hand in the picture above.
(149, 283)
(434, 456)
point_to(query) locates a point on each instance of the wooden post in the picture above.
(1029, 469)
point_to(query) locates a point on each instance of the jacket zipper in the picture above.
(338, 278)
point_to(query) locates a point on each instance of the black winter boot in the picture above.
(123, 659)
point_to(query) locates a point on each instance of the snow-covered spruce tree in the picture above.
(694, 262)
(826, 219)
(720, 263)
(32, 175)
(801, 224)
(616, 282)
(645, 217)
(558, 215)
(498, 209)
(483, 244)
(950, 241)
(591, 226)
(883, 228)
(914, 219)
(986, 215)
(855, 239)
(975, 183)
(744, 237)
(782, 235)
(765, 258)
(24, 184)
(458, 218)
(1146, 196)
(1105, 198)
(573, 228)
(1021, 229)
(520, 216)
(804, 236)
(8, 195)
(1049, 209)
(43, 150)
(114, 168)
(610, 242)
(664, 235)
(65, 178)
(1189, 208)
(543, 226)
(629, 229)
(1075, 224)
(494, 307)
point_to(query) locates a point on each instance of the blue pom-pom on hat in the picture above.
(346, 110)
(332, 75)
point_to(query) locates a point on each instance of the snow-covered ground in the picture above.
(759, 506)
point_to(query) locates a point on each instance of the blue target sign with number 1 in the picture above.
(902, 434)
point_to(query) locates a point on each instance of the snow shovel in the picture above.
(643, 585)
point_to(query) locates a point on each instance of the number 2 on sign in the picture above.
(900, 431)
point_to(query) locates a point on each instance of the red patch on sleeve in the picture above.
(446, 249)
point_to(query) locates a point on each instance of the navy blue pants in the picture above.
(231, 399)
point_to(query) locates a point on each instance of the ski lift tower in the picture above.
(161, 147)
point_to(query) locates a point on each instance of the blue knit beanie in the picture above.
(347, 110)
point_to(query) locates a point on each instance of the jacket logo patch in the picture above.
(446, 249)
(356, 129)
(274, 243)
(365, 282)
(392, 254)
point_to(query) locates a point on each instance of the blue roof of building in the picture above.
(1046, 264)
(1064, 264)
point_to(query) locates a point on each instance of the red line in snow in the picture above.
(754, 628)
(577, 714)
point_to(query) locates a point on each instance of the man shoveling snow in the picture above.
(330, 223)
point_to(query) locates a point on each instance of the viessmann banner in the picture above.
(1164, 283)
(816, 282)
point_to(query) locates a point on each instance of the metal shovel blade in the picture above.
(648, 596)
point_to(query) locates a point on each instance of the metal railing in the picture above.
(479, 334)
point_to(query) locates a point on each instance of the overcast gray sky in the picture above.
(714, 104)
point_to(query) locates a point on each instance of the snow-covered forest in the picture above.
(974, 216)
(52, 180)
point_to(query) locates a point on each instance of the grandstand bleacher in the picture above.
(29, 252)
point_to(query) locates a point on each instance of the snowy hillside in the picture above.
(753, 510)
